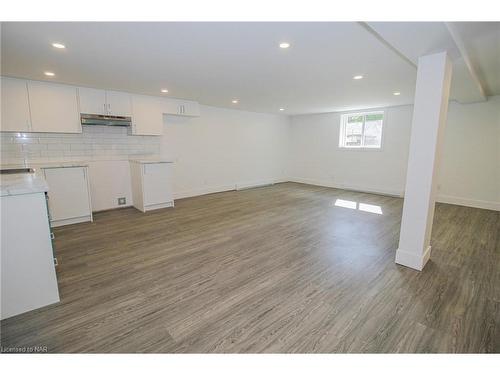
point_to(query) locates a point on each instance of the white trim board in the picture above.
(413, 260)
(360, 189)
(219, 189)
(255, 184)
(467, 202)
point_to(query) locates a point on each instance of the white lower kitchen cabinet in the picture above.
(151, 184)
(69, 195)
(27, 269)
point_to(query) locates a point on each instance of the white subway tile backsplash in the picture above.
(95, 143)
(58, 146)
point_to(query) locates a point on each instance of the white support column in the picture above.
(429, 120)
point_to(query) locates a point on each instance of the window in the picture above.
(361, 130)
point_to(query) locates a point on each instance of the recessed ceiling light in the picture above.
(396, 93)
(234, 101)
(164, 90)
(282, 109)
(358, 77)
(49, 74)
(58, 45)
(284, 45)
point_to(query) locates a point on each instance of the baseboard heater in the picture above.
(252, 186)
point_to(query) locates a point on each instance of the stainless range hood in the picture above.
(93, 119)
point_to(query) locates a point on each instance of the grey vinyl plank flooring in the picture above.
(278, 269)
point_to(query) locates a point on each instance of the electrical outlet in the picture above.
(122, 201)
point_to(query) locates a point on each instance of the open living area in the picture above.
(250, 187)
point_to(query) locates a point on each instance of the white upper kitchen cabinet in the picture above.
(92, 101)
(69, 197)
(147, 115)
(190, 108)
(181, 107)
(15, 106)
(119, 103)
(54, 108)
(102, 102)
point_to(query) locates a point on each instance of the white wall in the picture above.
(470, 173)
(225, 148)
(218, 151)
(317, 159)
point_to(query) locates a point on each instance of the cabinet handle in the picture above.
(52, 235)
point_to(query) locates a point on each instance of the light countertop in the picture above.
(26, 183)
(51, 164)
(22, 183)
(150, 161)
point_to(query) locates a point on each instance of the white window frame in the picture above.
(343, 122)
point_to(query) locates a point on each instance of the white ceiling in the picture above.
(215, 63)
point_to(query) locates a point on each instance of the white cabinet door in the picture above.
(191, 109)
(157, 183)
(15, 105)
(181, 107)
(171, 106)
(68, 193)
(119, 103)
(147, 115)
(54, 108)
(92, 101)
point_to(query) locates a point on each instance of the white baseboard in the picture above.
(413, 260)
(253, 184)
(203, 191)
(158, 206)
(75, 220)
(222, 188)
(362, 189)
(487, 205)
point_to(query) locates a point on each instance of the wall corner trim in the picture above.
(413, 260)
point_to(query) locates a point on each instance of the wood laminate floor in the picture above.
(274, 269)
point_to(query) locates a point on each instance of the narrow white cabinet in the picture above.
(119, 103)
(28, 274)
(92, 101)
(54, 108)
(147, 115)
(69, 197)
(15, 106)
(151, 184)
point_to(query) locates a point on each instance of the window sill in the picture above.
(363, 149)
